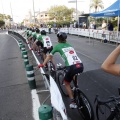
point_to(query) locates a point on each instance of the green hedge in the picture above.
(2, 23)
(60, 24)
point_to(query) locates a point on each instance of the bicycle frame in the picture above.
(84, 106)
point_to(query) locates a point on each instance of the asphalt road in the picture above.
(15, 96)
(92, 81)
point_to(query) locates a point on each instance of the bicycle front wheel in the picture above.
(106, 113)
(84, 106)
(61, 84)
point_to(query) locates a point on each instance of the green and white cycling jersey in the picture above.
(46, 42)
(33, 34)
(39, 38)
(30, 33)
(38, 35)
(67, 52)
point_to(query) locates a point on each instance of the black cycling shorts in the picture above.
(34, 39)
(39, 43)
(72, 70)
(27, 34)
(46, 50)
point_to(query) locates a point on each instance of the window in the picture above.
(41, 15)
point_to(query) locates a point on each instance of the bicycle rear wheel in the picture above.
(84, 106)
(61, 84)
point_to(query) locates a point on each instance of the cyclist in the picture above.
(35, 36)
(26, 32)
(110, 65)
(72, 61)
(30, 37)
(29, 33)
(45, 43)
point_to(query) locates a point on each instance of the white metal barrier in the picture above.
(113, 36)
(97, 34)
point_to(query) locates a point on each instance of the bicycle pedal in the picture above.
(73, 88)
(63, 83)
(73, 106)
(80, 107)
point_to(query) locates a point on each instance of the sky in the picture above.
(19, 8)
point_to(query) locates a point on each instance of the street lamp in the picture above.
(11, 21)
(11, 11)
(2, 6)
(75, 1)
(34, 12)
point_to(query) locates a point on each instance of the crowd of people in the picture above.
(92, 25)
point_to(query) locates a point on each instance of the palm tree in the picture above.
(96, 4)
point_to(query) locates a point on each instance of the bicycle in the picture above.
(108, 109)
(84, 106)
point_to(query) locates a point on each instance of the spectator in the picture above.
(80, 25)
(94, 25)
(76, 24)
(84, 25)
(119, 27)
(110, 26)
(91, 25)
(49, 28)
(104, 25)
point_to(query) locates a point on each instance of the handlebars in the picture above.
(111, 99)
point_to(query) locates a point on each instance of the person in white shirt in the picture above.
(91, 25)
(104, 25)
(84, 25)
